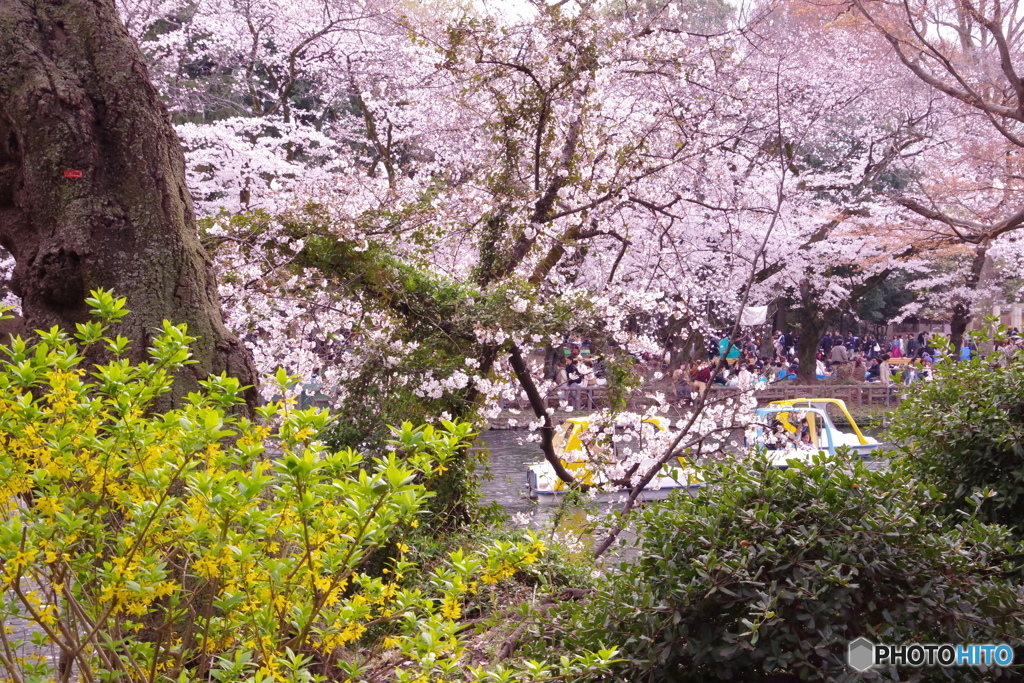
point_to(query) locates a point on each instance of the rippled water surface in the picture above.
(508, 460)
(507, 465)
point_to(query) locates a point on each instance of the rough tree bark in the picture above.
(813, 323)
(75, 96)
(961, 318)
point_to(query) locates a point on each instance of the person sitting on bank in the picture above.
(744, 378)
(839, 354)
(684, 390)
(702, 377)
(858, 373)
(885, 371)
(874, 371)
(844, 371)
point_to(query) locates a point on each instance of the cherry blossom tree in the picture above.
(523, 175)
(853, 128)
(968, 199)
(408, 207)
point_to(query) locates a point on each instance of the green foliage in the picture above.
(555, 568)
(453, 489)
(445, 328)
(884, 301)
(770, 571)
(622, 380)
(194, 545)
(965, 431)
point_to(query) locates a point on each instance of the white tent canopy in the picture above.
(754, 315)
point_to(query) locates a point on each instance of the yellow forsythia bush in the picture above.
(190, 545)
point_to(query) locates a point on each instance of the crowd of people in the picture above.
(902, 359)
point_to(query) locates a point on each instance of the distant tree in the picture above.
(885, 301)
(971, 199)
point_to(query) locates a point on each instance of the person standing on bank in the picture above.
(575, 378)
(561, 377)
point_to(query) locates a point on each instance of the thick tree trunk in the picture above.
(813, 324)
(780, 321)
(551, 357)
(962, 318)
(807, 353)
(958, 323)
(75, 98)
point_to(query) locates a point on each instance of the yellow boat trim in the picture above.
(838, 403)
(567, 439)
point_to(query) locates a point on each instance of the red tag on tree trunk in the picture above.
(72, 174)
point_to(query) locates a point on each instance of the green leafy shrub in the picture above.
(965, 431)
(771, 573)
(196, 545)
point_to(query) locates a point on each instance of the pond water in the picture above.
(510, 451)
(508, 458)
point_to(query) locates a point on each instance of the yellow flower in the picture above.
(352, 631)
(48, 615)
(451, 609)
(20, 560)
(163, 588)
(332, 598)
(207, 567)
(387, 593)
(48, 506)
